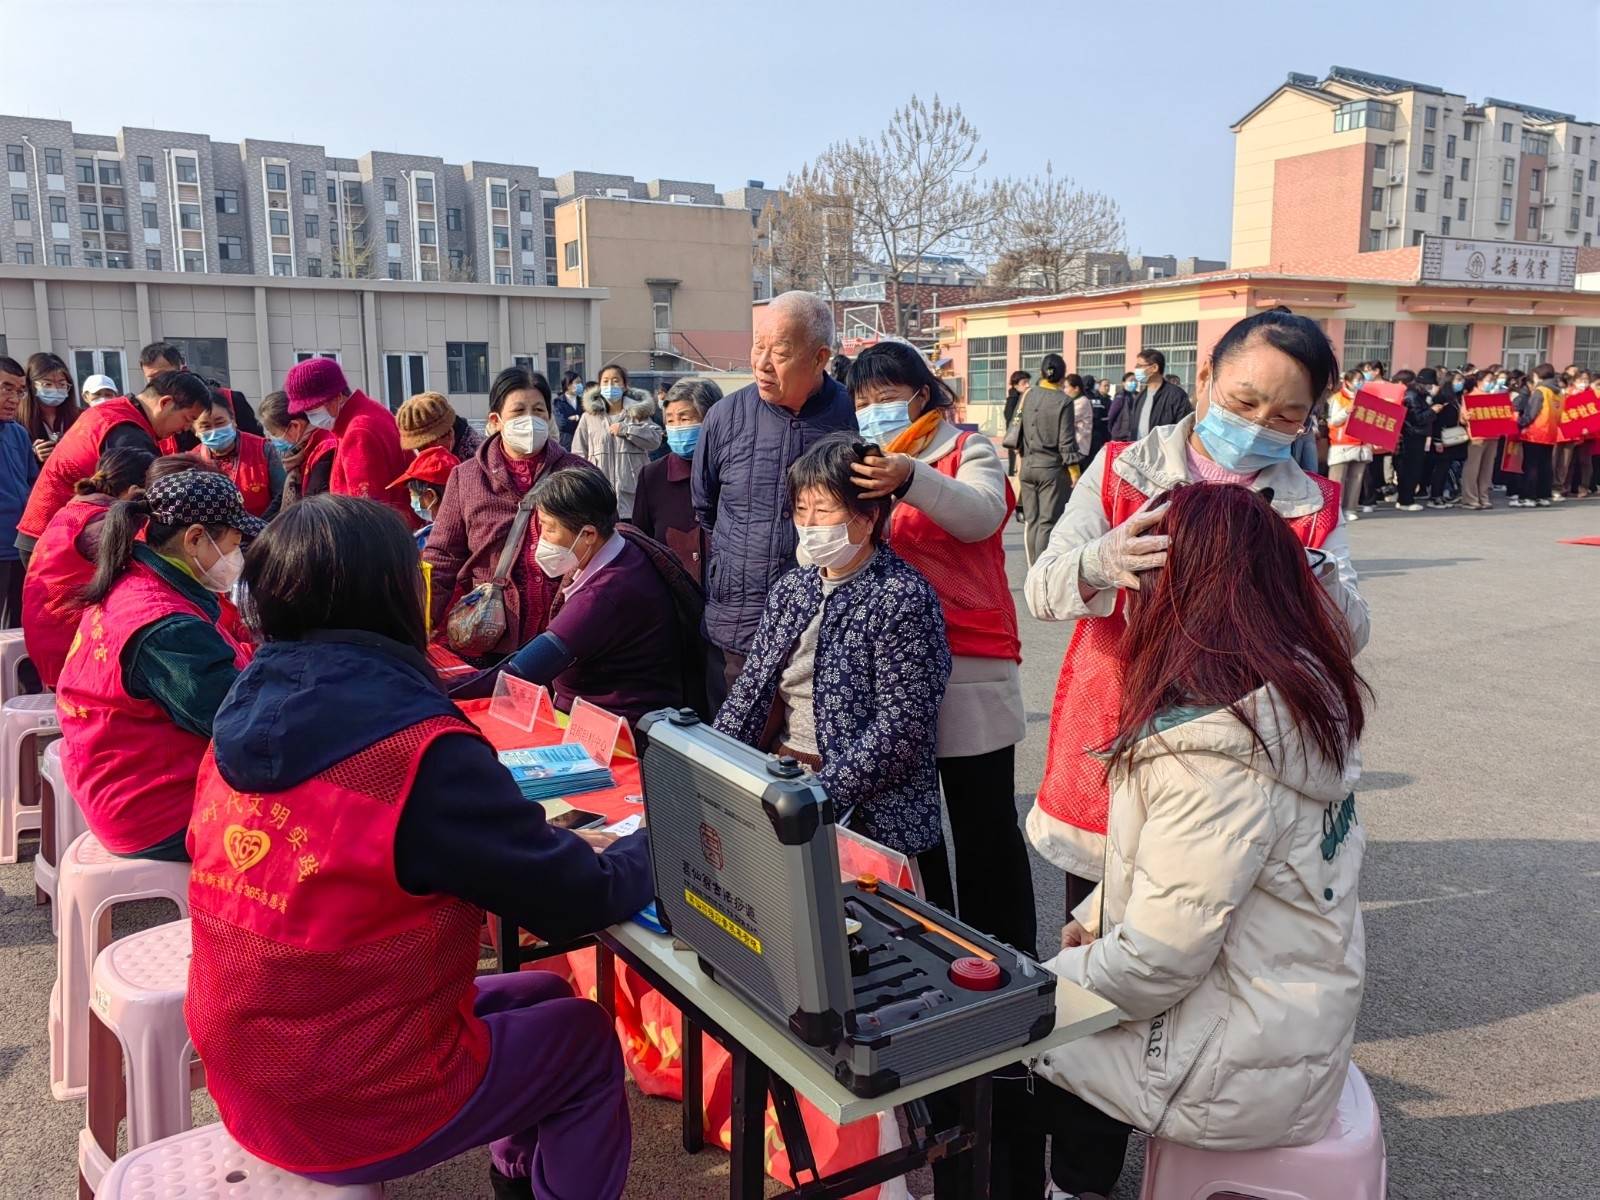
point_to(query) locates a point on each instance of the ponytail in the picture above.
(117, 532)
(115, 473)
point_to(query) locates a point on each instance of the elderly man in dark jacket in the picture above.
(1156, 403)
(741, 496)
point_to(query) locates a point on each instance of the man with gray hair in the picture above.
(739, 480)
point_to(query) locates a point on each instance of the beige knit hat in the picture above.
(424, 418)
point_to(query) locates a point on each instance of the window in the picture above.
(1536, 178)
(230, 249)
(467, 364)
(1572, 219)
(152, 260)
(24, 254)
(186, 170)
(333, 192)
(570, 255)
(282, 264)
(1034, 346)
(1377, 199)
(529, 278)
(110, 172)
(502, 238)
(151, 216)
(1586, 347)
(52, 163)
(1592, 165)
(661, 309)
(352, 192)
(525, 200)
(278, 223)
(204, 356)
(618, 193)
(1427, 156)
(1577, 145)
(15, 160)
(549, 208)
(1177, 340)
(62, 256)
(404, 375)
(19, 208)
(1374, 239)
(458, 260)
(427, 233)
(497, 195)
(277, 179)
(100, 362)
(527, 240)
(189, 217)
(85, 170)
(1368, 340)
(1536, 143)
(1363, 114)
(116, 220)
(314, 267)
(452, 220)
(1103, 352)
(1422, 200)
(1469, 133)
(1505, 210)
(1449, 145)
(1380, 157)
(394, 270)
(1449, 188)
(301, 356)
(391, 232)
(561, 357)
(1577, 183)
(1508, 170)
(1588, 207)
(58, 210)
(1526, 346)
(1533, 217)
(192, 261)
(1505, 131)
(502, 275)
(1466, 169)
(227, 200)
(313, 225)
(1444, 225)
(89, 218)
(1430, 117)
(1461, 209)
(308, 183)
(389, 191)
(550, 251)
(424, 189)
(986, 370)
(91, 260)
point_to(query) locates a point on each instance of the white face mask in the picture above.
(51, 397)
(555, 561)
(827, 546)
(525, 434)
(221, 575)
(321, 418)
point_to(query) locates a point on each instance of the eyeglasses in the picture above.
(1282, 423)
(11, 391)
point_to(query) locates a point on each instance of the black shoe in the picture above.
(507, 1188)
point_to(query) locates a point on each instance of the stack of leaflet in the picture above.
(546, 772)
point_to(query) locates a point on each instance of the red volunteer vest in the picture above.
(53, 586)
(131, 769)
(323, 445)
(980, 617)
(74, 458)
(332, 1008)
(247, 467)
(1089, 690)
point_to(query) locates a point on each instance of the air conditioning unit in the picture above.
(1547, 237)
(1392, 222)
(1397, 177)
(1548, 201)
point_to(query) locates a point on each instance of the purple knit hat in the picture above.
(313, 383)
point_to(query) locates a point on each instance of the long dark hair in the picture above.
(1236, 608)
(335, 562)
(115, 473)
(30, 413)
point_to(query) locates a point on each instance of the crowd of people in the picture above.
(817, 563)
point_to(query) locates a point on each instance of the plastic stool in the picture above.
(140, 1058)
(1349, 1162)
(60, 821)
(13, 653)
(207, 1162)
(27, 724)
(91, 883)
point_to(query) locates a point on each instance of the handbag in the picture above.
(1013, 437)
(477, 621)
(1454, 436)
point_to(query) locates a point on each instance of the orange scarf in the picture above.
(915, 437)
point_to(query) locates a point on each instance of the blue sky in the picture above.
(1133, 99)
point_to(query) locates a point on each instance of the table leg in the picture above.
(747, 1174)
(693, 1082)
(605, 980)
(796, 1141)
(977, 1115)
(510, 945)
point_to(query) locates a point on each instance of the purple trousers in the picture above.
(551, 1105)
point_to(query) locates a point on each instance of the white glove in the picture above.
(1115, 558)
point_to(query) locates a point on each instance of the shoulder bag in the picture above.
(477, 623)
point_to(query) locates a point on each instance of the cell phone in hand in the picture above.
(577, 818)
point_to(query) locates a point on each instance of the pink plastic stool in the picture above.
(27, 725)
(13, 653)
(1349, 1162)
(60, 821)
(91, 883)
(206, 1162)
(141, 1062)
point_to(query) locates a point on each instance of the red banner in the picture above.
(1511, 459)
(1490, 415)
(1377, 415)
(1580, 417)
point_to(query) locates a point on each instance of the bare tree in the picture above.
(806, 239)
(1048, 229)
(913, 191)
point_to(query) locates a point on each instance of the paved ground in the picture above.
(1481, 1029)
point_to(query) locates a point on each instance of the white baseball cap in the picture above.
(100, 383)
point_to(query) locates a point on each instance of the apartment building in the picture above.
(1356, 162)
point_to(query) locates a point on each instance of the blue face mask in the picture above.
(1458, 385)
(1131, 386)
(1240, 445)
(1369, 376)
(419, 508)
(219, 439)
(682, 439)
(1140, 375)
(282, 445)
(882, 422)
(611, 392)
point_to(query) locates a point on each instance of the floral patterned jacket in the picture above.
(882, 664)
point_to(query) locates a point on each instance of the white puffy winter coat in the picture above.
(1230, 934)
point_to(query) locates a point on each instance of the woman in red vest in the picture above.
(949, 524)
(150, 664)
(305, 452)
(63, 561)
(350, 829)
(169, 402)
(245, 458)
